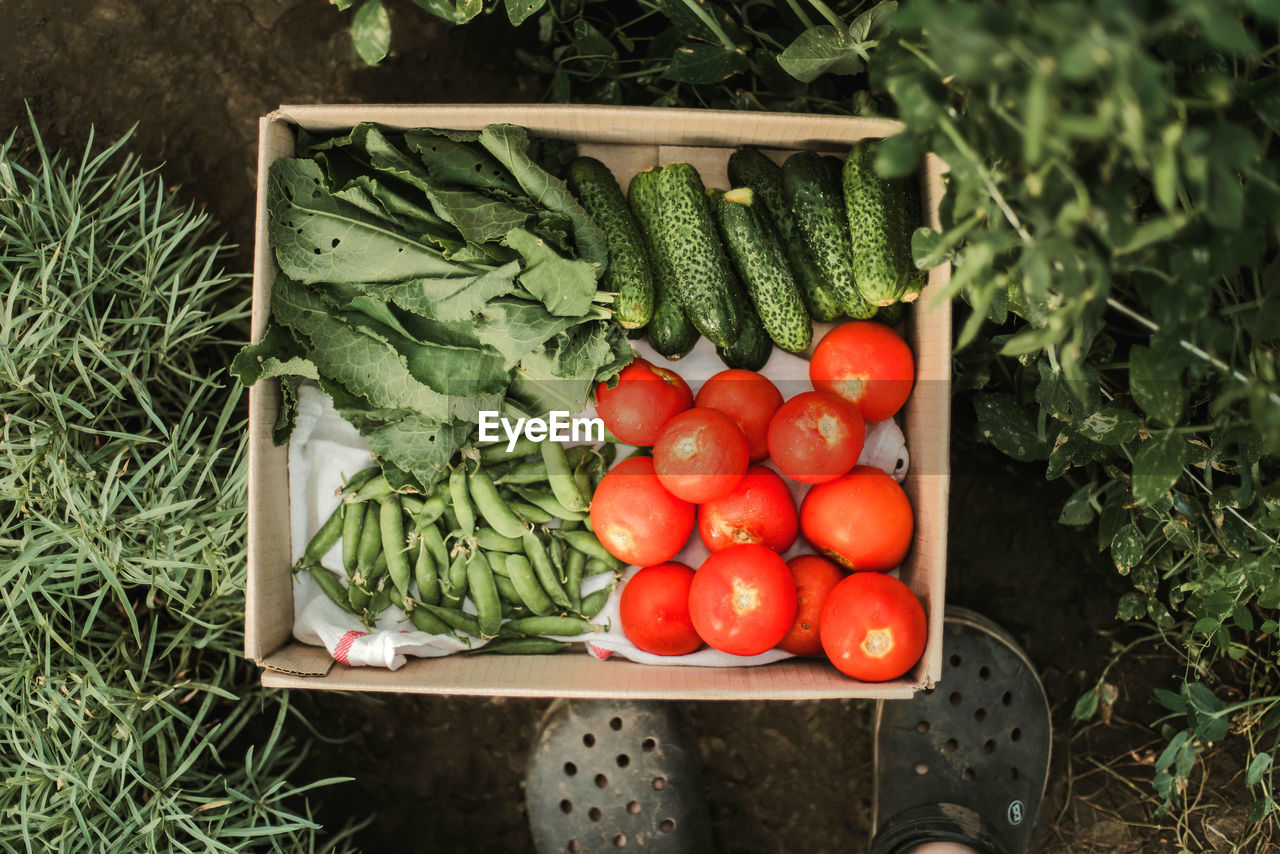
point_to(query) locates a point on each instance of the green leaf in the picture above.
(1126, 548)
(595, 52)
(371, 32)
(1157, 466)
(1261, 808)
(703, 64)
(1171, 701)
(874, 22)
(460, 13)
(1132, 606)
(454, 299)
(455, 162)
(1004, 422)
(517, 327)
(1257, 767)
(343, 5)
(899, 156)
(1087, 706)
(1110, 426)
(1156, 385)
(1077, 510)
(518, 11)
(818, 51)
(1171, 750)
(565, 286)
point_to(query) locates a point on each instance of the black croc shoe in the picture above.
(967, 761)
(606, 775)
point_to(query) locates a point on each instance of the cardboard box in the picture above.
(627, 139)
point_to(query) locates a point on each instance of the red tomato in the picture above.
(746, 397)
(873, 627)
(654, 609)
(635, 518)
(815, 576)
(743, 600)
(815, 437)
(866, 363)
(759, 510)
(862, 521)
(645, 398)
(700, 455)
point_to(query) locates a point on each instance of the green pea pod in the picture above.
(608, 452)
(582, 478)
(529, 471)
(520, 646)
(577, 454)
(432, 509)
(380, 602)
(575, 563)
(561, 626)
(454, 618)
(542, 568)
(430, 535)
(452, 593)
(375, 572)
(411, 505)
(449, 520)
(556, 551)
(498, 450)
(560, 477)
(528, 513)
(461, 501)
(393, 543)
(498, 563)
(591, 547)
(359, 479)
(491, 506)
(570, 524)
(352, 522)
(325, 538)
(358, 596)
(593, 603)
(515, 612)
(376, 489)
(425, 621)
(487, 538)
(526, 583)
(331, 586)
(484, 593)
(370, 538)
(547, 501)
(506, 590)
(595, 566)
(424, 573)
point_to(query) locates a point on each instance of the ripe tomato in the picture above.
(815, 437)
(873, 627)
(743, 600)
(815, 576)
(700, 455)
(645, 399)
(862, 521)
(866, 363)
(635, 518)
(654, 609)
(746, 397)
(758, 510)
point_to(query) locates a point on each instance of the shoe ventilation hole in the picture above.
(1007, 699)
(955, 661)
(634, 807)
(620, 841)
(602, 780)
(566, 806)
(659, 783)
(594, 813)
(1015, 735)
(615, 724)
(623, 760)
(922, 768)
(574, 846)
(989, 746)
(589, 740)
(955, 698)
(570, 769)
(951, 745)
(1013, 774)
(648, 745)
(668, 825)
(922, 727)
(966, 774)
(980, 715)
(984, 672)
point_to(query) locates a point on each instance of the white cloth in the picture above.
(326, 450)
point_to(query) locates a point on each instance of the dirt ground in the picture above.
(447, 771)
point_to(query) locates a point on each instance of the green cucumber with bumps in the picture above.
(813, 191)
(754, 346)
(761, 264)
(750, 168)
(669, 330)
(702, 273)
(884, 214)
(627, 273)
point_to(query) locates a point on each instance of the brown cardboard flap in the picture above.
(297, 659)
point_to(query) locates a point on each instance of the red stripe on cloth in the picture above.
(344, 646)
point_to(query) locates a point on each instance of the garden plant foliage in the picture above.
(127, 723)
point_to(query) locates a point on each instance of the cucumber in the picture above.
(669, 330)
(627, 273)
(890, 315)
(756, 253)
(813, 191)
(749, 168)
(688, 234)
(752, 349)
(883, 214)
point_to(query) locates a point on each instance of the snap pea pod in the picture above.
(358, 595)
(359, 479)
(528, 471)
(570, 524)
(591, 547)
(545, 500)
(506, 590)
(352, 522)
(556, 551)
(331, 586)
(517, 611)
(575, 563)
(391, 516)
(430, 535)
(375, 573)
(370, 539)
(453, 618)
(380, 602)
(424, 573)
(461, 501)
(411, 505)
(577, 454)
(562, 626)
(375, 489)
(498, 563)
(560, 477)
(487, 538)
(595, 566)
(425, 621)
(449, 519)
(429, 512)
(608, 452)
(542, 568)
(454, 590)
(325, 538)
(484, 593)
(526, 583)
(529, 513)
(593, 603)
(491, 506)
(520, 646)
(498, 450)
(582, 479)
